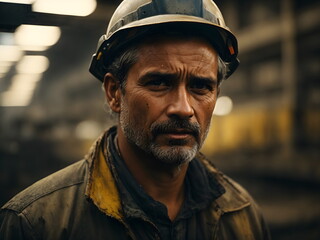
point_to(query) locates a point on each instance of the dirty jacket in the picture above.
(82, 201)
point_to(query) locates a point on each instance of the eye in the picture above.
(201, 86)
(157, 84)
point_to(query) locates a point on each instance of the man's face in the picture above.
(169, 98)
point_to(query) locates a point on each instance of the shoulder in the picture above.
(240, 215)
(70, 176)
(235, 197)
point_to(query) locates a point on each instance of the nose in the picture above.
(179, 104)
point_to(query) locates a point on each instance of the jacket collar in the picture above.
(101, 186)
(235, 197)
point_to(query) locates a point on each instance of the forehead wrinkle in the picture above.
(156, 51)
(177, 71)
(208, 59)
(180, 60)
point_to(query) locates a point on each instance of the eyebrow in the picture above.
(174, 76)
(158, 75)
(207, 80)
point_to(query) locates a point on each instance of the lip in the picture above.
(178, 134)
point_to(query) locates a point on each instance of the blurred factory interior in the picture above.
(265, 131)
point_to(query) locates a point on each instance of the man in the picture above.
(161, 63)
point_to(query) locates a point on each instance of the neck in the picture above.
(163, 182)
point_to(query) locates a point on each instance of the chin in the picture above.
(175, 155)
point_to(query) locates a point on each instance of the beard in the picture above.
(175, 152)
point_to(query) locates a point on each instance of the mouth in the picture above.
(178, 133)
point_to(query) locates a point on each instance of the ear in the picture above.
(113, 92)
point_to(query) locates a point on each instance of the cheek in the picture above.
(140, 110)
(205, 112)
(211, 104)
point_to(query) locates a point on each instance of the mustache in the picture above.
(172, 125)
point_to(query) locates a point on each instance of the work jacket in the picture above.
(82, 201)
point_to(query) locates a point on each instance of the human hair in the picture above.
(222, 71)
(121, 65)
